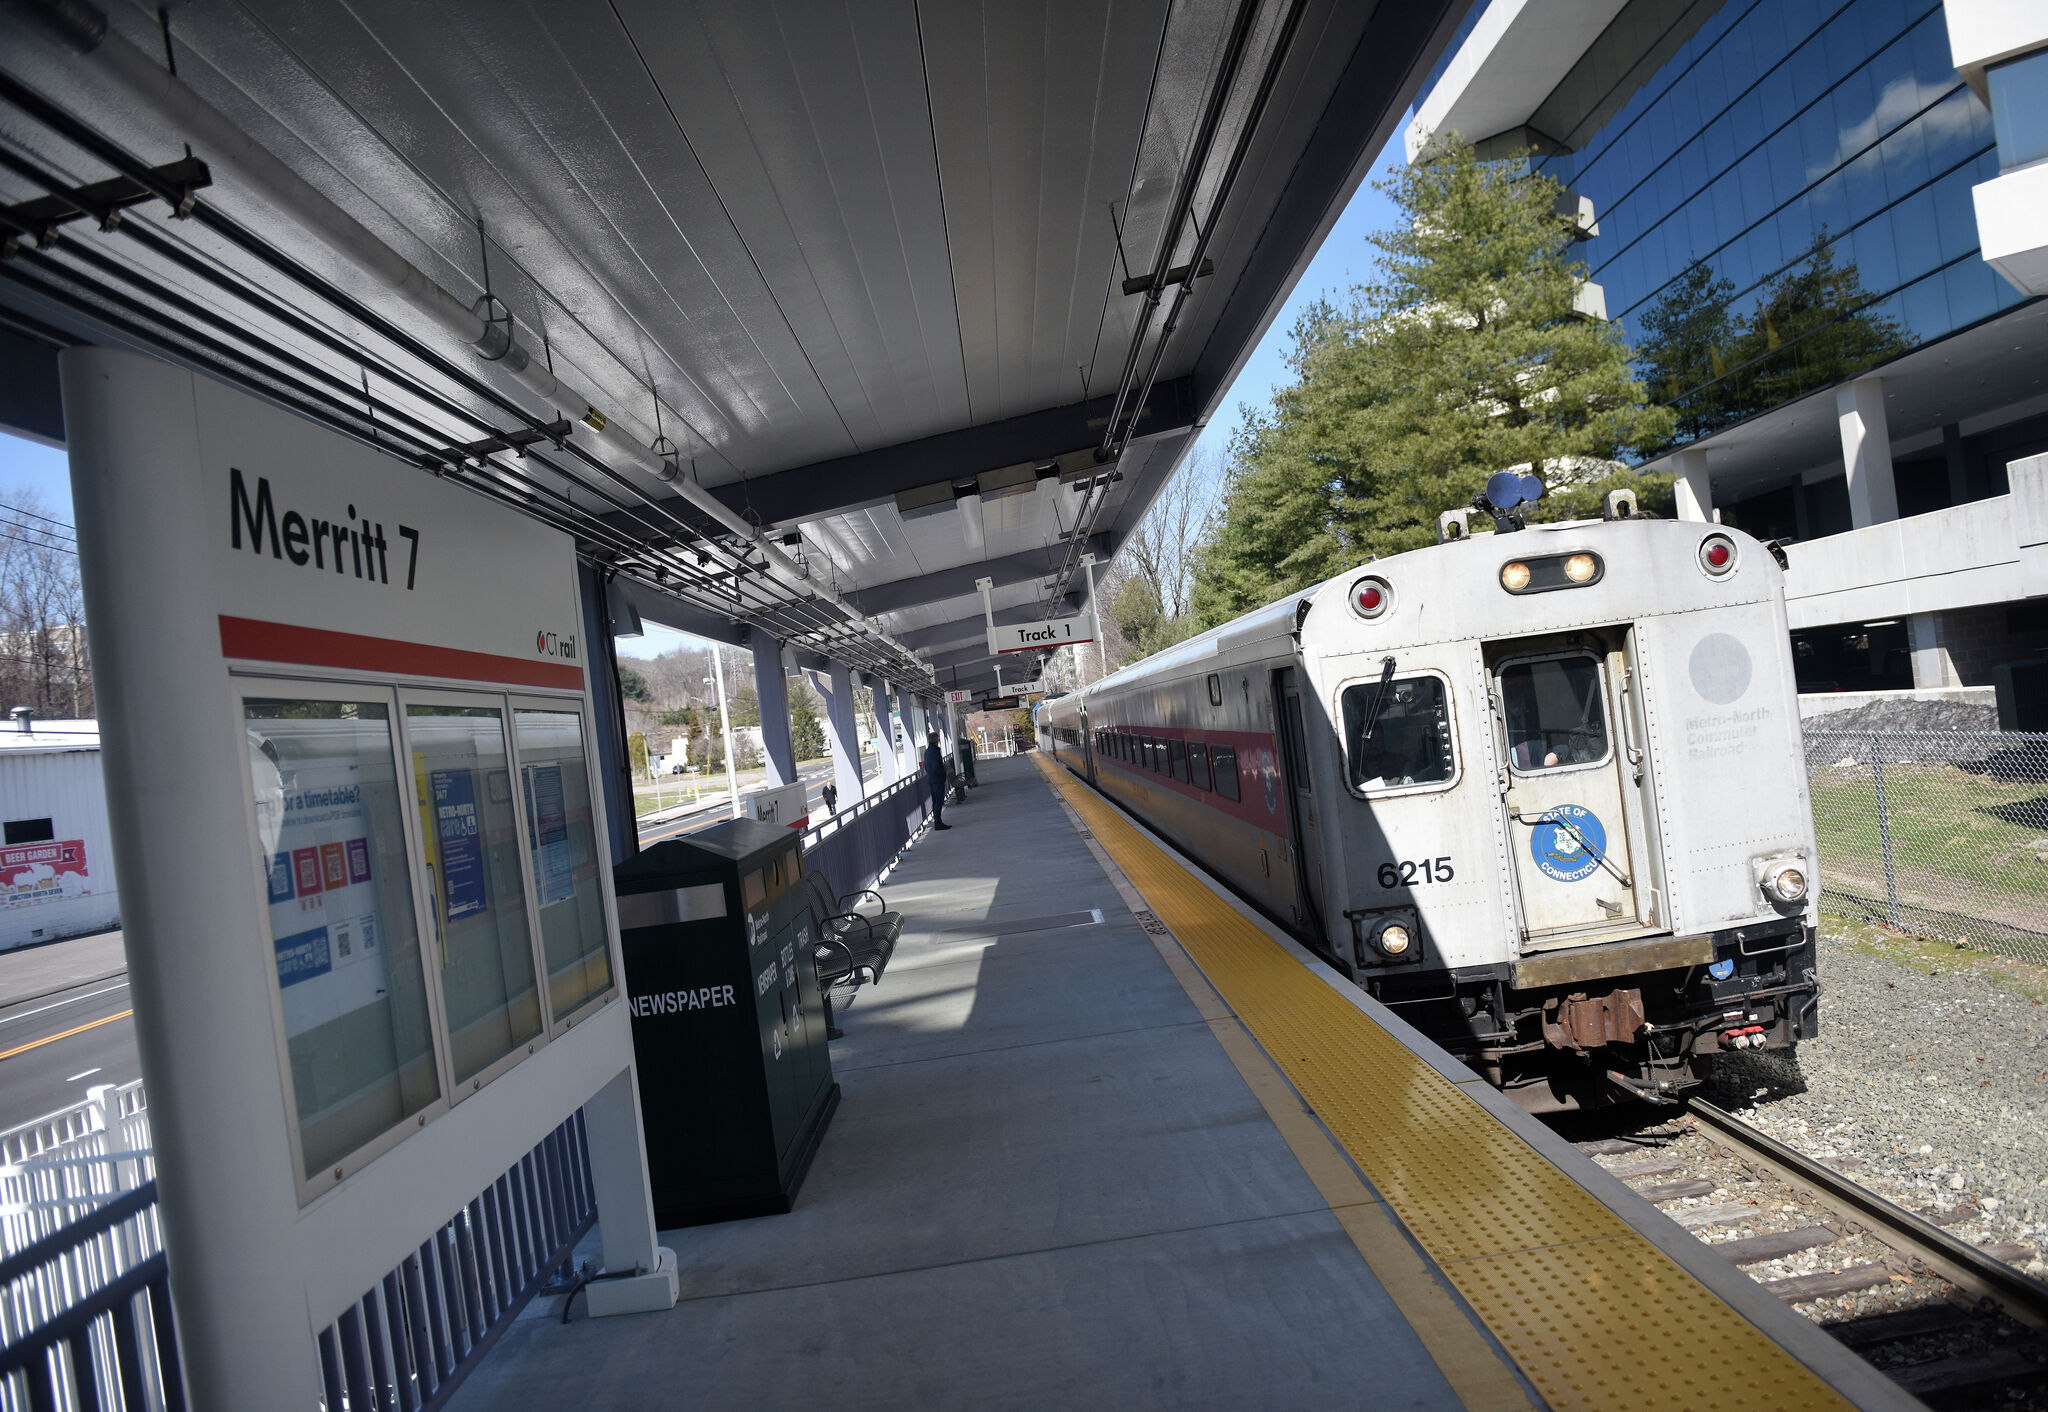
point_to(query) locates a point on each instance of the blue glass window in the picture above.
(2019, 109)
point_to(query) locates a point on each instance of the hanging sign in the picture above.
(959, 698)
(1033, 637)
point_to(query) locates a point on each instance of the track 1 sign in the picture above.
(1033, 637)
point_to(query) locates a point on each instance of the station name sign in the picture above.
(355, 545)
(1033, 637)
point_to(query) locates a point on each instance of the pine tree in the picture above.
(806, 732)
(1689, 342)
(1466, 356)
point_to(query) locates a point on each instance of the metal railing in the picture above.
(407, 1344)
(853, 847)
(1940, 833)
(85, 1310)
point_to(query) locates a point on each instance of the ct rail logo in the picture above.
(1568, 843)
(549, 644)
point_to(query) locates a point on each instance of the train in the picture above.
(1540, 788)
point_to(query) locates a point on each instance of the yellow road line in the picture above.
(52, 1039)
(1593, 1314)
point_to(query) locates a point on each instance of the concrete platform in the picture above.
(1047, 1186)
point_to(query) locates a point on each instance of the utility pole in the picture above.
(732, 779)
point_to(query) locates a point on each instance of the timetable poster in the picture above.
(548, 821)
(459, 831)
(323, 901)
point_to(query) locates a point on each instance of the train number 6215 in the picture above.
(1411, 871)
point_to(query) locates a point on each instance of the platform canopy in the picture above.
(900, 295)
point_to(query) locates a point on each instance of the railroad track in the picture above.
(1951, 1322)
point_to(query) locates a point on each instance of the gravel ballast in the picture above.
(1931, 1068)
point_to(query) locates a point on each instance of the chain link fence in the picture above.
(1939, 833)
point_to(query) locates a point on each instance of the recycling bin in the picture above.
(728, 1020)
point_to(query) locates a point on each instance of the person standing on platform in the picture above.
(935, 776)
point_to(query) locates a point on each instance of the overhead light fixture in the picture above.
(1008, 480)
(922, 500)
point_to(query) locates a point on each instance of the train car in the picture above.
(1541, 789)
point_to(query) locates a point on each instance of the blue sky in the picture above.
(1344, 260)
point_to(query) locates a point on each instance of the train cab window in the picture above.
(1409, 743)
(1554, 713)
(1198, 766)
(1223, 762)
(1177, 754)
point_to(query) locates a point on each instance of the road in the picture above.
(55, 1047)
(813, 777)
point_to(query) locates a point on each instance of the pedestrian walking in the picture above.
(935, 776)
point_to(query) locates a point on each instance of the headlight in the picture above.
(1580, 567)
(1785, 883)
(1514, 576)
(1393, 939)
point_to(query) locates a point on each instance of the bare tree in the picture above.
(1161, 549)
(1147, 594)
(45, 660)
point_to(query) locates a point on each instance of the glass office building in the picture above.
(1781, 201)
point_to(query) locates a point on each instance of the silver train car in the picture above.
(1542, 790)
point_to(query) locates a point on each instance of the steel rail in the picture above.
(1927, 1245)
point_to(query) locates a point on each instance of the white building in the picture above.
(1826, 232)
(57, 857)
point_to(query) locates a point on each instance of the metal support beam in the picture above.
(958, 582)
(608, 722)
(843, 733)
(871, 477)
(771, 686)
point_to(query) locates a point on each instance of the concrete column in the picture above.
(1866, 452)
(1695, 494)
(1932, 665)
(771, 685)
(888, 766)
(842, 732)
(618, 1177)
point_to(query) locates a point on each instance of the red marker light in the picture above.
(1717, 555)
(1370, 597)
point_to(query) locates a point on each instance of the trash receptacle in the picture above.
(728, 1022)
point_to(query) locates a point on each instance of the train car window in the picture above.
(1224, 761)
(1198, 766)
(1410, 743)
(1554, 712)
(1177, 753)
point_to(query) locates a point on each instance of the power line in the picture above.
(60, 524)
(37, 543)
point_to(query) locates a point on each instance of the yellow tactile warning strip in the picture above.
(1470, 1364)
(1593, 1314)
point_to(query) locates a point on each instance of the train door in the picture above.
(1301, 800)
(1569, 829)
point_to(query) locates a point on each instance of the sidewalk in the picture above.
(1047, 1186)
(28, 972)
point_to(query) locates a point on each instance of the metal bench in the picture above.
(852, 945)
